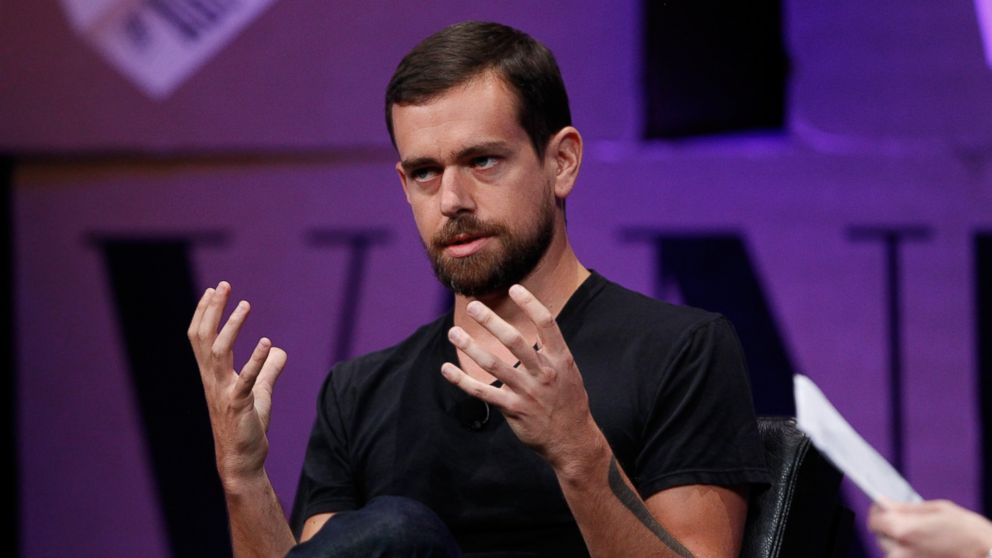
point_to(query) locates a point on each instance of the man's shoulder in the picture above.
(619, 307)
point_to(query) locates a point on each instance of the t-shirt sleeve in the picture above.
(326, 481)
(701, 428)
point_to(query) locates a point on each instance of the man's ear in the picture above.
(406, 189)
(564, 154)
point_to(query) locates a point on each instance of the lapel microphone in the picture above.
(474, 413)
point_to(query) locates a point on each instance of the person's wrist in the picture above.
(588, 461)
(239, 468)
(244, 482)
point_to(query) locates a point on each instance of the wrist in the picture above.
(245, 483)
(239, 469)
(588, 462)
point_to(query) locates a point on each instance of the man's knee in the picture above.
(386, 526)
(409, 525)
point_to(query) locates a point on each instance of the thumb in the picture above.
(271, 370)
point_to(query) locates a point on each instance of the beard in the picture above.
(490, 270)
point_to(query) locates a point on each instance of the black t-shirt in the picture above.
(667, 386)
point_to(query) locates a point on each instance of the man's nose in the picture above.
(456, 192)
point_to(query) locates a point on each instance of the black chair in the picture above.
(801, 514)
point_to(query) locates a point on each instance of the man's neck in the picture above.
(553, 281)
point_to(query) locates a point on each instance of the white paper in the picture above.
(158, 44)
(983, 8)
(837, 440)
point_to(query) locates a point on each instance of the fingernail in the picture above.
(474, 309)
(456, 335)
(517, 290)
(445, 371)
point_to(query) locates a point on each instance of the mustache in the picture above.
(465, 225)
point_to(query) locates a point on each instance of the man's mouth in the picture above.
(463, 245)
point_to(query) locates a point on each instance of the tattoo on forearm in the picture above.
(630, 500)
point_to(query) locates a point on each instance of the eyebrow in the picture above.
(488, 147)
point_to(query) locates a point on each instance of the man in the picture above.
(574, 417)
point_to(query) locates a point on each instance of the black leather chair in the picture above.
(801, 514)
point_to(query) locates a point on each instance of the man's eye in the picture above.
(423, 175)
(485, 162)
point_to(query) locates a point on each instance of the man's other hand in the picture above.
(543, 398)
(239, 403)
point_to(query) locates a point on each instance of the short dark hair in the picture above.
(465, 50)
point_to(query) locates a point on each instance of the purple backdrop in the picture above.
(889, 125)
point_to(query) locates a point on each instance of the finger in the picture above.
(548, 333)
(271, 370)
(887, 545)
(487, 361)
(212, 313)
(497, 397)
(878, 519)
(251, 369)
(224, 343)
(194, 323)
(912, 507)
(930, 506)
(508, 335)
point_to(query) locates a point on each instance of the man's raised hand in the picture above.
(543, 398)
(240, 404)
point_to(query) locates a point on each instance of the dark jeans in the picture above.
(387, 526)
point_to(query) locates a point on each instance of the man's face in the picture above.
(483, 202)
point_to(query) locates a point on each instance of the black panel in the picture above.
(983, 343)
(152, 282)
(713, 67)
(714, 271)
(8, 376)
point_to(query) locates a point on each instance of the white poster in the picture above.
(158, 44)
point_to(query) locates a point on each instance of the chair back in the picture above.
(801, 513)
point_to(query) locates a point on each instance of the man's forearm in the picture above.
(621, 488)
(258, 525)
(239, 404)
(613, 519)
